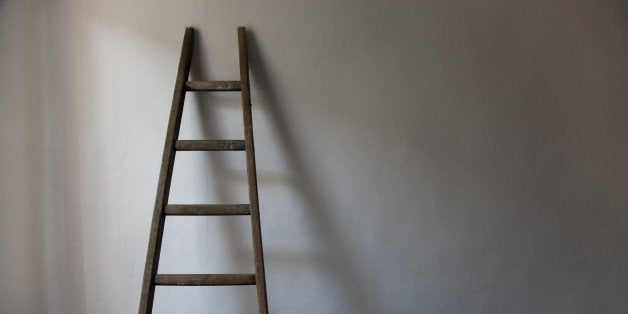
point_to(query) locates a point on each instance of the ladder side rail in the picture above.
(251, 173)
(165, 175)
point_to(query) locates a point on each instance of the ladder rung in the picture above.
(205, 280)
(212, 86)
(208, 210)
(209, 145)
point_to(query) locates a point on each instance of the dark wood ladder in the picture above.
(163, 209)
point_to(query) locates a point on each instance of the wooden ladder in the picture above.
(163, 209)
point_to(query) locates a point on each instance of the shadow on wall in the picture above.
(21, 221)
(334, 261)
(64, 260)
(65, 180)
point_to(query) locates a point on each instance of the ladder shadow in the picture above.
(218, 162)
(334, 259)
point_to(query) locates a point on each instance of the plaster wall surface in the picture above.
(413, 156)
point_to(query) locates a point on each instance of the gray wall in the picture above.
(413, 156)
(21, 162)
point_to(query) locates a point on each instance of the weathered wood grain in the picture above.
(205, 280)
(213, 86)
(252, 174)
(207, 210)
(210, 145)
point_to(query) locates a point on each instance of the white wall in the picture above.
(413, 156)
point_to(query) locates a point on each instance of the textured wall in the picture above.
(413, 156)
